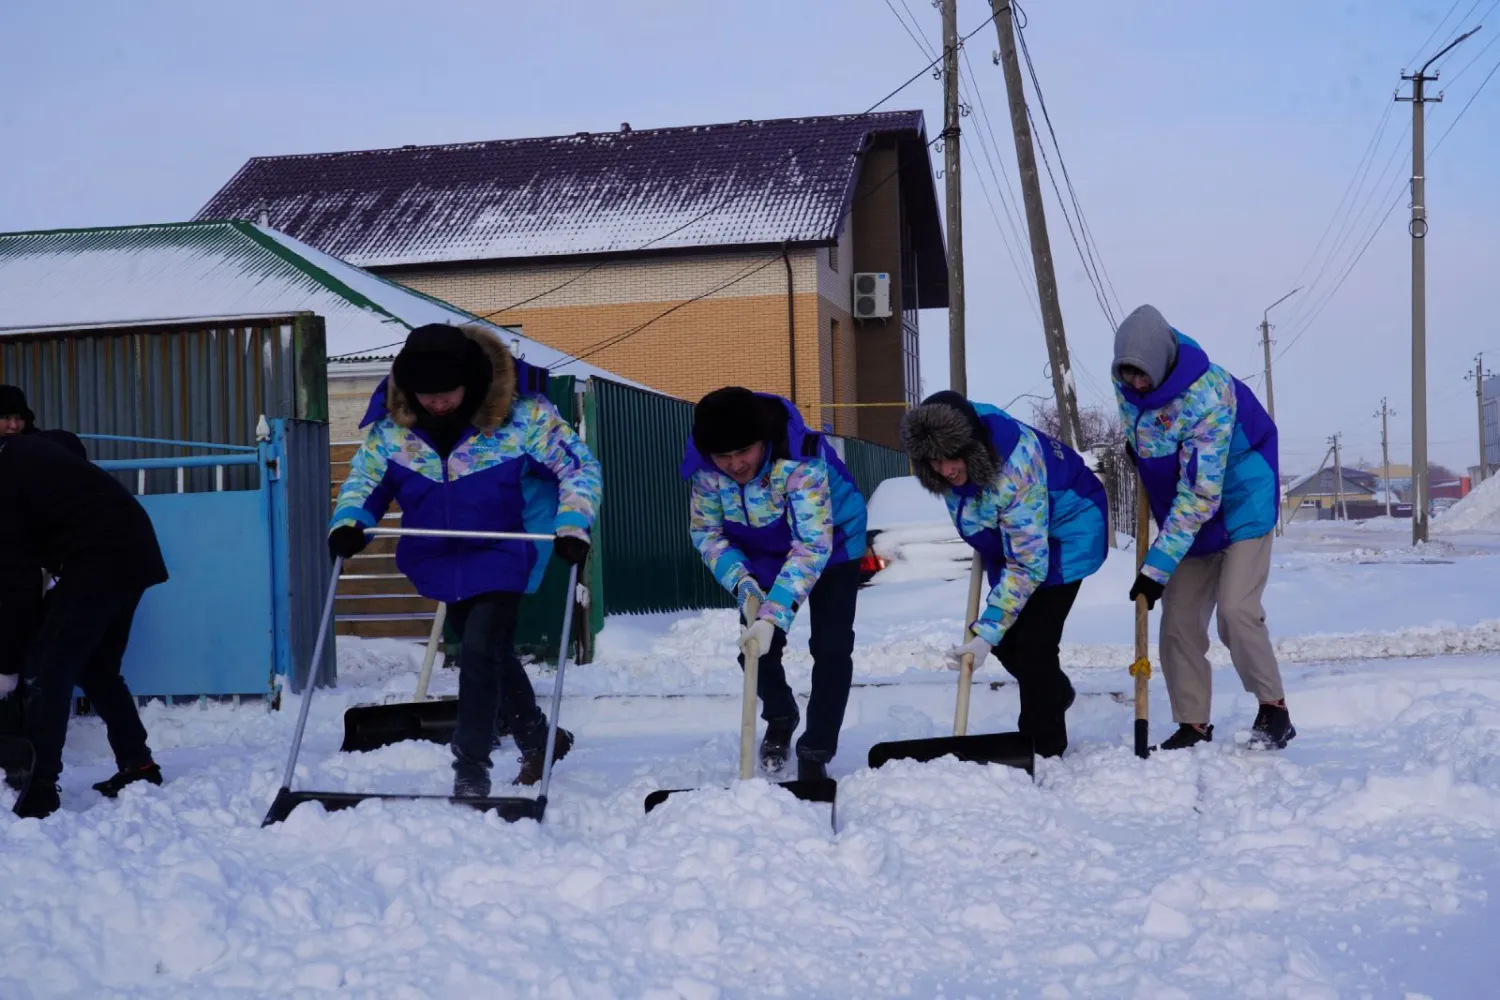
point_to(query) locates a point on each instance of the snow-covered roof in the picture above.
(176, 271)
(735, 184)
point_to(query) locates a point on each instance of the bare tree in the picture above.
(1101, 428)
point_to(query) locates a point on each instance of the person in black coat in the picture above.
(15, 416)
(89, 532)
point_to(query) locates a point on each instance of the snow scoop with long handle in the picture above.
(509, 808)
(370, 727)
(808, 791)
(1011, 749)
(1141, 668)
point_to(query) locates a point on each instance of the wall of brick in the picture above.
(736, 335)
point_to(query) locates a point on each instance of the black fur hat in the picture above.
(13, 404)
(946, 426)
(729, 419)
(438, 357)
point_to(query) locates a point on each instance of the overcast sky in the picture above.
(1209, 144)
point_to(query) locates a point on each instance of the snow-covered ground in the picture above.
(1363, 861)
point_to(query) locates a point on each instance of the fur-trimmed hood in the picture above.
(946, 425)
(500, 387)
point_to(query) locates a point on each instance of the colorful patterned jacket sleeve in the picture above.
(551, 442)
(1206, 421)
(365, 495)
(1024, 511)
(809, 498)
(706, 528)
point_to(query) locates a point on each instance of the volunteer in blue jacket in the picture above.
(1206, 451)
(1038, 517)
(775, 514)
(463, 439)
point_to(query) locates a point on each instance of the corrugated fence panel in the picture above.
(872, 464)
(649, 561)
(305, 454)
(207, 381)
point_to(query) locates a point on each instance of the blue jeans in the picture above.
(491, 681)
(831, 605)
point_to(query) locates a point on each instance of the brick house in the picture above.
(683, 258)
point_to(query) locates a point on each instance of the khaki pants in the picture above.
(1232, 582)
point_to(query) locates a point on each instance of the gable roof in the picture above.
(175, 271)
(1321, 483)
(728, 185)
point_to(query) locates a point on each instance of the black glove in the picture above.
(1147, 588)
(571, 550)
(346, 541)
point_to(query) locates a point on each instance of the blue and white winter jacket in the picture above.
(1207, 452)
(801, 515)
(1039, 519)
(519, 467)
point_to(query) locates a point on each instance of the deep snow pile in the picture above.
(1479, 511)
(1362, 861)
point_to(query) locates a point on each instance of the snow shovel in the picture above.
(807, 791)
(1010, 749)
(1141, 668)
(512, 808)
(370, 727)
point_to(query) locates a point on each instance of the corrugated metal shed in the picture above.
(734, 184)
(66, 279)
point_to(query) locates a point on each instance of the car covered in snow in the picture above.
(909, 536)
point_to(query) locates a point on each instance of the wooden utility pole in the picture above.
(1478, 376)
(1036, 224)
(1340, 512)
(1418, 229)
(1385, 449)
(958, 379)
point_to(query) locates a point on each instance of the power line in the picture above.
(1472, 97)
(732, 196)
(1436, 28)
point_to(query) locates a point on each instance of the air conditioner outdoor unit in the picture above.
(872, 295)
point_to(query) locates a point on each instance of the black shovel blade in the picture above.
(1010, 749)
(370, 727)
(825, 791)
(509, 809)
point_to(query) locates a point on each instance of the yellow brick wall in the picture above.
(737, 335)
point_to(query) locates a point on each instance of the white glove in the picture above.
(8, 684)
(760, 633)
(976, 647)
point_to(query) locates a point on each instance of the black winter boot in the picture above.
(129, 776)
(777, 744)
(1050, 737)
(811, 770)
(39, 802)
(1273, 728)
(1188, 735)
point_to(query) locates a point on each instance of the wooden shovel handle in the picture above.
(748, 699)
(1141, 668)
(966, 664)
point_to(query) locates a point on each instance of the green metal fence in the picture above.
(648, 559)
(872, 464)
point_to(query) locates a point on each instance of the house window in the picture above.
(833, 259)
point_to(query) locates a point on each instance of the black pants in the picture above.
(80, 643)
(831, 604)
(491, 681)
(1032, 653)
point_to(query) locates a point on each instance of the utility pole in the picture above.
(1384, 413)
(1340, 512)
(1418, 229)
(1265, 342)
(958, 379)
(1478, 376)
(1036, 224)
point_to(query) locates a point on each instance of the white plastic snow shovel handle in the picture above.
(966, 665)
(747, 701)
(433, 639)
(498, 536)
(312, 668)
